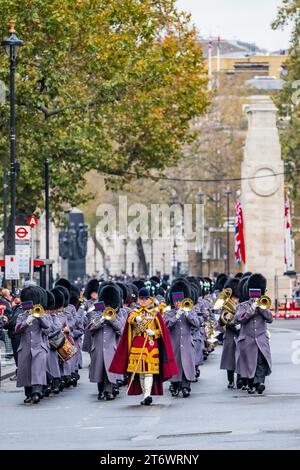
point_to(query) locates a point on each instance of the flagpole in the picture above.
(209, 65)
(219, 55)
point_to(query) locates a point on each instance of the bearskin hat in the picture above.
(220, 281)
(233, 284)
(92, 286)
(111, 296)
(134, 291)
(139, 283)
(75, 288)
(243, 292)
(125, 292)
(257, 281)
(31, 293)
(180, 285)
(247, 274)
(50, 300)
(59, 297)
(155, 279)
(194, 294)
(238, 275)
(63, 282)
(74, 297)
(43, 301)
(66, 294)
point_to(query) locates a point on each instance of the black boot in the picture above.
(185, 392)
(35, 398)
(260, 388)
(147, 401)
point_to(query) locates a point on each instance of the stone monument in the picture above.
(263, 193)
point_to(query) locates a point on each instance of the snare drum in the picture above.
(68, 350)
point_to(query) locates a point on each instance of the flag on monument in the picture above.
(239, 242)
(219, 43)
(288, 242)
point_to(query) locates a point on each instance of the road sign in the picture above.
(32, 221)
(23, 234)
(12, 267)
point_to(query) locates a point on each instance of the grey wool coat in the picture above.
(32, 352)
(198, 333)
(181, 337)
(228, 358)
(253, 337)
(53, 368)
(105, 338)
(87, 316)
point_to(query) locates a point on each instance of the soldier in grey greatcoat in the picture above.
(254, 355)
(105, 335)
(180, 323)
(77, 333)
(231, 332)
(91, 295)
(53, 369)
(32, 352)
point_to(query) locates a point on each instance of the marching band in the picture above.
(143, 333)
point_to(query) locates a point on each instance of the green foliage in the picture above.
(289, 99)
(109, 86)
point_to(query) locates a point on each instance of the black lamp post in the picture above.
(228, 193)
(201, 195)
(12, 45)
(47, 212)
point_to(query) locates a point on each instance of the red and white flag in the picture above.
(239, 242)
(288, 241)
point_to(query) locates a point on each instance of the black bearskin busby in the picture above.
(233, 284)
(111, 296)
(220, 282)
(59, 297)
(92, 286)
(63, 282)
(50, 300)
(257, 281)
(65, 293)
(31, 293)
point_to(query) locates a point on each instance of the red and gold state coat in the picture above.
(137, 352)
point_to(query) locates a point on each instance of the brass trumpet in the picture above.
(38, 311)
(187, 304)
(264, 302)
(108, 314)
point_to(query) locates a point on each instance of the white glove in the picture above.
(150, 332)
(254, 306)
(138, 319)
(29, 320)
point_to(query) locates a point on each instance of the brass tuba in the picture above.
(227, 305)
(264, 302)
(38, 311)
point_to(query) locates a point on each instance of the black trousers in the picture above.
(262, 369)
(183, 384)
(33, 389)
(15, 343)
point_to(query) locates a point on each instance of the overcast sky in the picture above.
(247, 20)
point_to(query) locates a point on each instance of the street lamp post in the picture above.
(12, 45)
(47, 212)
(201, 195)
(228, 192)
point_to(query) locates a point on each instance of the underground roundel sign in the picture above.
(32, 221)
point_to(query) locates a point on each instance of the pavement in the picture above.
(212, 418)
